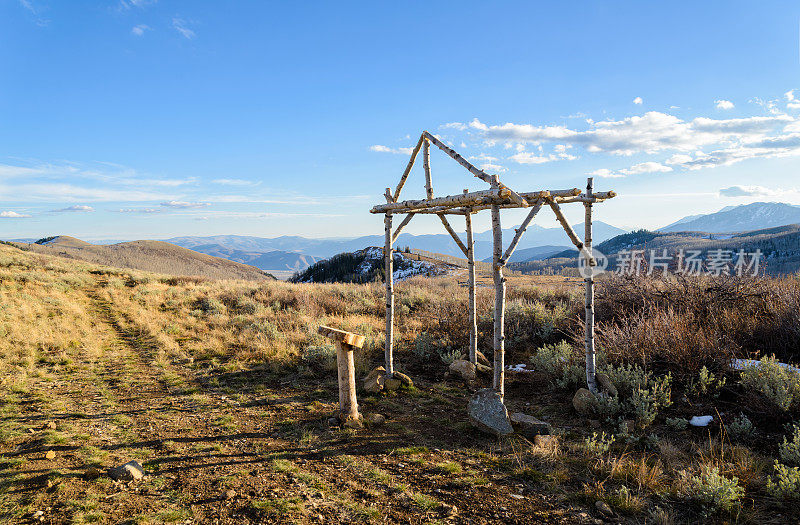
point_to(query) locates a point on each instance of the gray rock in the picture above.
(604, 509)
(488, 413)
(529, 426)
(404, 379)
(391, 383)
(463, 368)
(130, 471)
(482, 358)
(582, 401)
(373, 383)
(606, 385)
(376, 419)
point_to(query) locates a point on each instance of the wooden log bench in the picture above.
(346, 343)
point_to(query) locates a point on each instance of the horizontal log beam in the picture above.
(493, 196)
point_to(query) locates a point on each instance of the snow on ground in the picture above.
(741, 364)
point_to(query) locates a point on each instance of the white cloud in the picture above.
(139, 30)
(750, 191)
(724, 104)
(386, 149)
(526, 157)
(488, 166)
(637, 100)
(789, 95)
(235, 182)
(679, 158)
(605, 173)
(76, 208)
(794, 104)
(180, 26)
(646, 167)
(182, 204)
(139, 210)
(455, 125)
(12, 215)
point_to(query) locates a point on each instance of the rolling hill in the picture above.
(152, 256)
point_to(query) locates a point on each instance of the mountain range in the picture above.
(747, 217)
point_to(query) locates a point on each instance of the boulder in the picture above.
(488, 413)
(582, 401)
(373, 383)
(529, 426)
(376, 419)
(392, 383)
(404, 379)
(463, 368)
(605, 384)
(130, 471)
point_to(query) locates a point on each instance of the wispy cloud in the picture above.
(752, 191)
(385, 149)
(139, 210)
(81, 208)
(139, 30)
(12, 215)
(181, 27)
(183, 204)
(236, 182)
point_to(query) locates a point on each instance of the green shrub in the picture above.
(778, 384)
(707, 384)
(740, 428)
(715, 491)
(560, 361)
(598, 444)
(677, 423)
(642, 395)
(789, 451)
(786, 483)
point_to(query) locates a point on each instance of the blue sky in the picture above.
(150, 119)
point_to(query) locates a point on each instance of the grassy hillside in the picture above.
(152, 256)
(223, 390)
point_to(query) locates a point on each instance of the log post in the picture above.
(345, 343)
(589, 292)
(426, 163)
(473, 319)
(389, 279)
(499, 301)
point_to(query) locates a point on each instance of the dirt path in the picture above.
(246, 448)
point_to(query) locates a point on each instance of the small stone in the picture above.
(603, 508)
(376, 419)
(582, 401)
(333, 422)
(50, 425)
(131, 471)
(230, 494)
(701, 421)
(594, 423)
(529, 426)
(391, 384)
(404, 379)
(463, 368)
(488, 413)
(605, 384)
(354, 423)
(91, 473)
(373, 383)
(517, 496)
(544, 440)
(51, 454)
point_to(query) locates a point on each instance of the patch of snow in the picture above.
(701, 421)
(741, 364)
(522, 367)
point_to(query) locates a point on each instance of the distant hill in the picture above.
(152, 256)
(780, 247)
(533, 254)
(747, 217)
(367, 265)
(267, 261)
(535, 236)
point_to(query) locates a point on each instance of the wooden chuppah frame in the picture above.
(497, 198)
